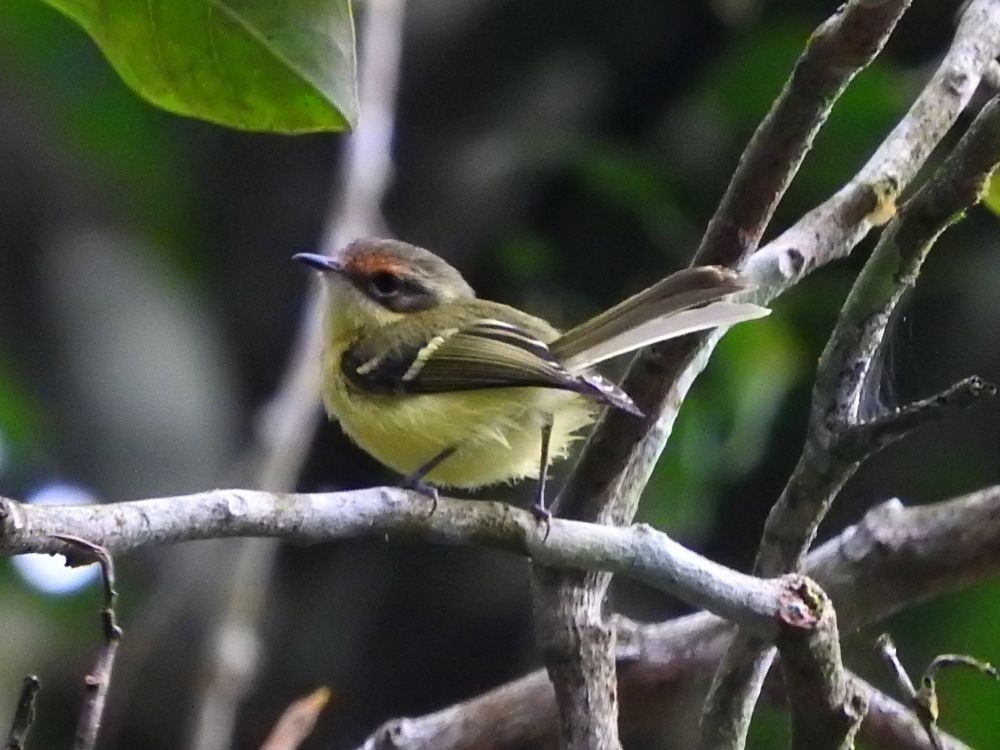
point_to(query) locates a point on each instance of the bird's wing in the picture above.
(481, 354)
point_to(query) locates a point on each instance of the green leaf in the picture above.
(285, 66)
(991, 198)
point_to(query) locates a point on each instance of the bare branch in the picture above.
(838, 438)
(297, 722)
(924, 701)
(889, 724)
(485, 722)
(886, 648)
(638, 551)
(833, 229)
(842, 379)
(837, 51)
(924, 710)
(892, 558)
(24, 715)
(871, 435)
(827, 708)
(958, 660)
(98, 680)
(621, 453)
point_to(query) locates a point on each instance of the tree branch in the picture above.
(837, 51)
(620, 455)
(892, 558)
(827, 707)
(839, 438)
(871, 435)
(24, 715)
(890, 724)
(98, 680)
(639, 551)
(832, 229)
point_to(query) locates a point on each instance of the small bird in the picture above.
(450, 390)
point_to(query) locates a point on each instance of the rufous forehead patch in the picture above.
(371, 263)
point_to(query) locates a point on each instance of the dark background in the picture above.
(563, 155)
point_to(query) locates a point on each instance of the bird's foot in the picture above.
(542, 515)
(424, 488)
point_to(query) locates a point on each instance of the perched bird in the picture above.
(451, 390)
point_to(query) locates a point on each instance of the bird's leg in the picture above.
(415, 479)
(543, 514)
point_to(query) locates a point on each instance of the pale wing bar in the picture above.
(481, 355)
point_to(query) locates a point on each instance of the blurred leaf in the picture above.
(526, 255)
(630, 182)
(991, 199)
(684, 491)
(252, 64)
(709, 130)
(18, 415)
(722, 431)
(770, 728)
(759, 364)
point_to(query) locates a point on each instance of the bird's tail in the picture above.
(690, 300)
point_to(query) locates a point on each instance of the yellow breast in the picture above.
(496, 432)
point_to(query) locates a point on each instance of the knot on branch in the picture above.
(12, 517)
(803, 603)
(393, 735)
(883, 193)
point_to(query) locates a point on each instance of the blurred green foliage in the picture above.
(587, 208)
(725, 427)
(992, 197)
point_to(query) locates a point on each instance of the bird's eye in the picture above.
(385, 284)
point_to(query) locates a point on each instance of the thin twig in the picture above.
(925, 712)
(98, 680)
(886, 648)
(958, 660)
(297, 721)
(24, 714)
(875, 434)
(924, 701)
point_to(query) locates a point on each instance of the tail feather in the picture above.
(687, 301)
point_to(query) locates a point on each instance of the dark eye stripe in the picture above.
(411, 296)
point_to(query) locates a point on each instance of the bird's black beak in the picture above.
(322, 263)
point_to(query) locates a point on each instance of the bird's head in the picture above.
(379, 281)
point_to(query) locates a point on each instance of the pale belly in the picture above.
(496, 433)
